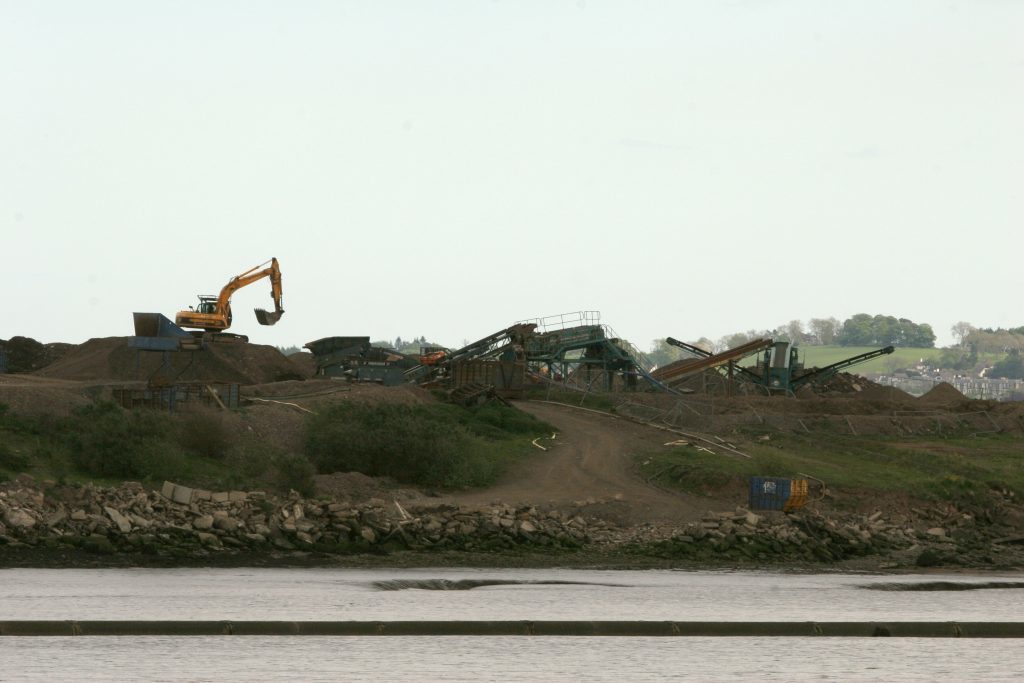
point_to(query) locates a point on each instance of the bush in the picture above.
(11, 422)
(293, 472)
(256, 462)
(105, 440)
(11, 460)
(203, 433)
(423, 445)
(495, 420)
(250, 460)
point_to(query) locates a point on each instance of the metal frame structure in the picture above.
(779, 368)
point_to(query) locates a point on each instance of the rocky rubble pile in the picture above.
(179, 521)
(806, 536)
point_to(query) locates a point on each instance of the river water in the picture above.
(350, 594)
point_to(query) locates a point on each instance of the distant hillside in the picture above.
(819, 356)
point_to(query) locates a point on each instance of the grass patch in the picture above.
(105, 444)
(429, 445)
(435, 445)
(820, 356)
(604, 402)
(965, 469)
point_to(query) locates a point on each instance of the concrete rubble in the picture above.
(182, 522)
(177, 520)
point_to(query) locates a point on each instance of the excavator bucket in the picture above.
(264, 317)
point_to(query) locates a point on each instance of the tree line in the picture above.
(971, 340)
(857, 330)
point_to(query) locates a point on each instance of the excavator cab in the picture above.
(207, 304)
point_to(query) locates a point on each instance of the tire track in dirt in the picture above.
(593, 459)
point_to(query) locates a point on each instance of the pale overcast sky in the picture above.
(447, 168)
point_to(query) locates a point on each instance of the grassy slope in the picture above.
(196, 451)
(929, 468)
(820, 356)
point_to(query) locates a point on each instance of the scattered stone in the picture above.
(19, 519)
(225, 523)
(130, 519)
(123, 525)
(202, 522)
(208, 539)
(181, 494)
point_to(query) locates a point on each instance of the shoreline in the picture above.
(27, 557)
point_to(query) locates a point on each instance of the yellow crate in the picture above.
(797, 495)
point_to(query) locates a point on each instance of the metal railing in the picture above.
(564, 320)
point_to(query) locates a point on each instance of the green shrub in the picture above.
(159, 460)
(495, 420)
(257, 463)
(105, 440)
(250, 460)
(423, 445)
(18, 424)
(12, 460)
(203, 433)
(293, 472)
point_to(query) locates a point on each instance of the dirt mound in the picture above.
(882, 394)
(30, 395)
(305, 362)
(325, 391)
(943, 393)
(356, 487)
(844, 383)
(25, 354)
(110, 358)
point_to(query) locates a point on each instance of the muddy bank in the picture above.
(130, 525)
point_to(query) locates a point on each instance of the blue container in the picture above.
(769, 493)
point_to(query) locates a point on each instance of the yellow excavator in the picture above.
(214, 312)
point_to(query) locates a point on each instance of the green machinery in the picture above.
(570, 345)
(782, 371)
(578, 345)
(779, 369)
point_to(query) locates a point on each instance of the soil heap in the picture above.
(941, 395)
(25, 354)
(110, 358)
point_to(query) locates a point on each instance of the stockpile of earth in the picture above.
(110, 358)
(942, 394)
(25, 354)
(887, 395)
(31, 395)
(306, 363)
(843, 383)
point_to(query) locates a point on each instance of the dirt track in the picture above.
(592, 460)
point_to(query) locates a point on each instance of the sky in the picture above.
(445, 169)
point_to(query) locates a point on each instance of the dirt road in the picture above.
(592, 460)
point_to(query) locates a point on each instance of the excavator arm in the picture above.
(214, 315)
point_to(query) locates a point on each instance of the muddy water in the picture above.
(324, 594)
